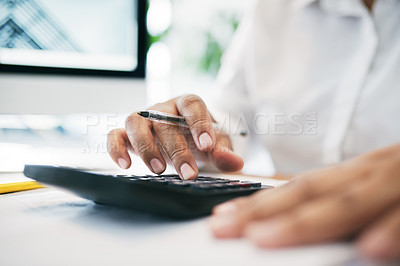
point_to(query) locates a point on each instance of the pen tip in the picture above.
(143, 113)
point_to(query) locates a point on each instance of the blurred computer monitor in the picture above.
(72, 56)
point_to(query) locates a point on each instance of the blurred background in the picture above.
(191, 39)
(185, 42)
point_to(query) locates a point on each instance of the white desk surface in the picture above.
(53, 227)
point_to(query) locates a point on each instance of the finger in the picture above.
(141, 138)
(117, 147)
(381, 240)
(223, 157)
(270, 202)
(225, 222)
(323, 219)
(198, 119)
(175, 146)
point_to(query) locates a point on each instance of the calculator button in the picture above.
(252, 184)
(171, 176)
(125, 176)
(159, 181)
(233, 185)
(203, 183)
(204, 178)
(220, 186)
(169, 179)
(206, 182)
(222, 181)
(202, 187)
(178, 184)
(187, 181)
(239, 184)
(242, 184)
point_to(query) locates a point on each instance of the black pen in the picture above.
(165, 118)
(170, 119)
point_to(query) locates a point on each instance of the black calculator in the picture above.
(165, 195)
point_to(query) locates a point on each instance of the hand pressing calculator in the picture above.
(165, 195)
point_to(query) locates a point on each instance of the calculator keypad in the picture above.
(201, 183)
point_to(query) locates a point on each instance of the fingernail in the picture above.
(205, 140)
(225, 226)
(156, 165)
(123, 163)
(226, 208)
(187, 171)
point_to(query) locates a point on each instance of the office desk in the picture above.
(53, 227)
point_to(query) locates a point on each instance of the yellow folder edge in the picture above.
(19, 186)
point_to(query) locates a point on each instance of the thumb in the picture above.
(223, 157)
